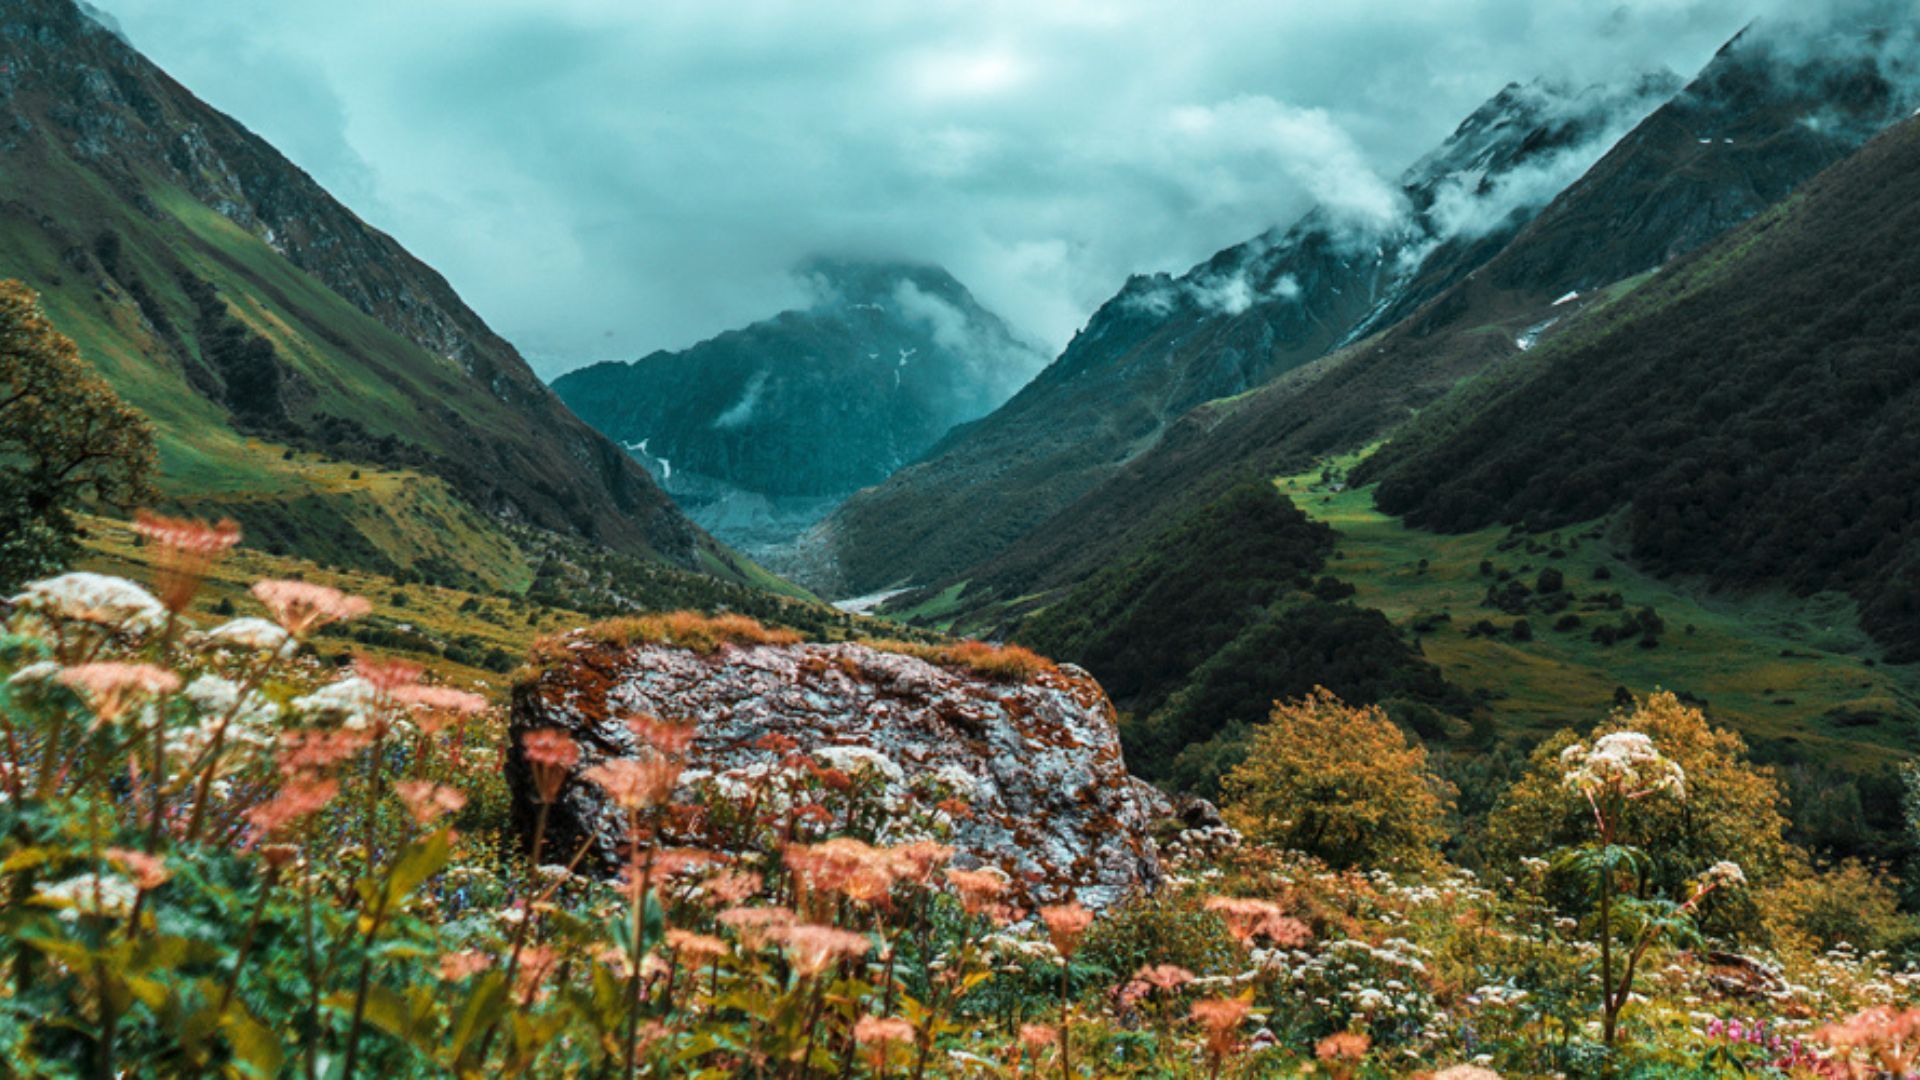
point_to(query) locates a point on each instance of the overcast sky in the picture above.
(600, 178)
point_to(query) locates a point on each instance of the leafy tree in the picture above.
(1341, 783)
(65, 437)
(1733, 809)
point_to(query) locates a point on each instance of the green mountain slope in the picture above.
(1735, 141)
(1253, 311)
(306, 374)
(1752, 408)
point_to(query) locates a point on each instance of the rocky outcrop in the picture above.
(1026, 776)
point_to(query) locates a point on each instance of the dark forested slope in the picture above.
(1754, 408)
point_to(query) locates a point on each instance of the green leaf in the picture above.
(478, 1012)
(254, 1047)
(389, 1012)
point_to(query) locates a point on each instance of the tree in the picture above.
(1341, 783)
(1733, 809)
(65, 437)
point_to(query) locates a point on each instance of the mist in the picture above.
(601, 179)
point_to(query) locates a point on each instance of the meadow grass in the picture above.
(1784, 670)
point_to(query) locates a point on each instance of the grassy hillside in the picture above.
(281, 344)
(1751, 409)
(1799, 677)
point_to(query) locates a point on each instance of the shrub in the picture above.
(1169, 928)
(1733, 809)
(1340, 783)
(1819, 909)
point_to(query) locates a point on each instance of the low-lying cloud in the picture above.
(602, 178)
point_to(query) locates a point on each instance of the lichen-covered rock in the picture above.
(1027, 776)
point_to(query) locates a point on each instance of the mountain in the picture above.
(760, 431)
(1751, 410)
(1252, 312)
(305, 373)
(1792, 101)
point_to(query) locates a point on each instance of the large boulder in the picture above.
(1021, 774)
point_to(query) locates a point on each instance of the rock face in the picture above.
(1037, 763)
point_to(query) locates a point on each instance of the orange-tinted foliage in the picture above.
(1004, 663)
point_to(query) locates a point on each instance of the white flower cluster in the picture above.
(100, 599)
(1723, 875)
(89, 894)
(248, 722)
(1626, 762)
(251, 634)
(353, 702)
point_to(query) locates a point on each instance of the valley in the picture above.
(1467, 626)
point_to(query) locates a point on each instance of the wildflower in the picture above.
(1723, 875)
(916, 860)
(1888, 1036)
(456, 966)
(98, 599)
(812, 949)
(221, 699)
(253, 633)
(536, 962)
(757, 926)
(696, 947)
(106, 895)
(843, 866)
(978, 889)
(1221, 1018)
(635, 783)
(1626, 762)
(148, 871)
(1249, 919)
(187, 550)
(1066, 923)
(440, 699)
(295, 802)
(1343, 1046)
(1164, 976)
(671, 739)
(311, 751)
(428, 801)
(111, 687)
(879, 1031)
(731, 887)
(300, 607)
(550, 755)
(1037, 1037)
(353, 702)
(1466, 1072)
(870, 1029)
(389, 677)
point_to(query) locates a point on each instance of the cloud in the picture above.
(600, 178)
(1225, 151)
(740, 413)
(999, 367)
